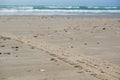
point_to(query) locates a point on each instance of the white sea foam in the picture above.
(23, 8)
(65, 7)
(57, 10)
(110, 7)
(47, 10)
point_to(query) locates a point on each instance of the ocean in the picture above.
(60, 10)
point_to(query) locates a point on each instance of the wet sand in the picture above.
(59, 48)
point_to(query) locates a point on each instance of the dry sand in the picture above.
(59, 48)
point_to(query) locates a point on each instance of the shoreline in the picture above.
(69, 16)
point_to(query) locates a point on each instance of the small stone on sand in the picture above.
(98, 43)
(35, 36)
(53, 59)
(72, 46)
(16, 47)
(107, 67)
(85, 43)
(103, 28)
(42, 70)
(76, 66)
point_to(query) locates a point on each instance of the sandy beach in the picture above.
(59, 48)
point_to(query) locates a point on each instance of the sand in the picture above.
(59, 48)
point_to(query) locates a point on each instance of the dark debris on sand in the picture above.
(35, 36)
(2, 46)
(53, 59)
(5, 38)
(85, 43)
(118, 20)
(8, 53)
(103, 28)
(71, 46)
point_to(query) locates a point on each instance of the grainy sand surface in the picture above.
(59, 48)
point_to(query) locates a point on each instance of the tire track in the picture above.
(100, 69)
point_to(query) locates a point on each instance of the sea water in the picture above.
(60, 10)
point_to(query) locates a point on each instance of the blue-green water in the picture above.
(59, 10)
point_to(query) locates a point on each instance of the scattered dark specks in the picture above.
(65, 30)
(15, 47)
(85, 43)
(5, 38)
(103, 28)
